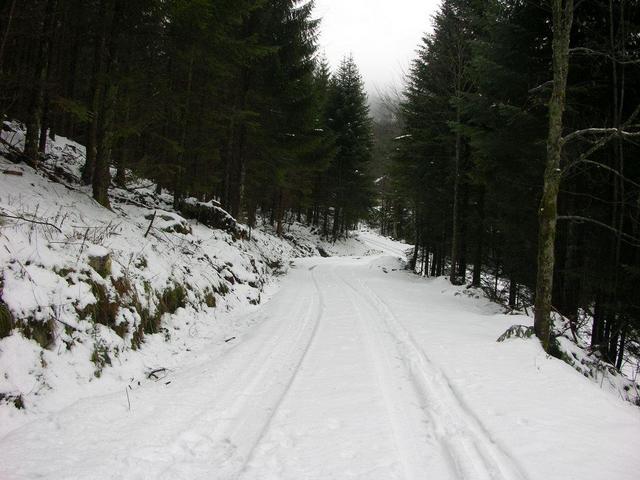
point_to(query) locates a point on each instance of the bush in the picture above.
(172, 299)
(209, 298)
(100, 357)
(104, 311)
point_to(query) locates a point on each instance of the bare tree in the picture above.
(562, 15)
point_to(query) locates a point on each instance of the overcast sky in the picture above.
(382, 35)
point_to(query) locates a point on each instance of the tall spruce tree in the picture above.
(348, 118)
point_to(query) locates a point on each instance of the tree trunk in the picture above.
(3, 42)
(228, 166)
(416, 249)
(462, 234)
(325, 223)
(97, 85)
(242, 175)
(336, 224)
(36, 97)
(45, 124)
(102, 175)
(513, 292)
(237, 169)
(562, 22)
(598, 327)
(477, 256)
(122, 159)
(434, 263)
(280, 213)
(68, 71)
(184, 120)
(618, 216)
(623, 340)
(5, 33)
(456, 188)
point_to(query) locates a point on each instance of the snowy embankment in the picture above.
(94, 300)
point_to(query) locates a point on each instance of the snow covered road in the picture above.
(367, 403)
(354, 369)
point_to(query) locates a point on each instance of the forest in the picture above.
(508, 159)
(516, 160)
(221, 100)
(233, 246)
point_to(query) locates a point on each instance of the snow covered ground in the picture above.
(353, 369)
(164, 287)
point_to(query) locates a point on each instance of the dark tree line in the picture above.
(517, 158)
(213, 99)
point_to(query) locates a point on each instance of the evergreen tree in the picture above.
(505, 121)
(214, 99)
(348, 118)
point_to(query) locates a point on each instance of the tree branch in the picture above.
(589, 51)
(604, 140)
(37, 222)
(599, 131)
(626, 238)
(605, 167)
(601, 143)
(150, 224)
(542, 86)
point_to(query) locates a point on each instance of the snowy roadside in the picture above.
(94, 301)
(525, 403)
(572, 342)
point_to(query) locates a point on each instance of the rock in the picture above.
(212, 215)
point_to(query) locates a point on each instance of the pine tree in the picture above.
(348, 118)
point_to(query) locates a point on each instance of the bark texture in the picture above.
(548, 213)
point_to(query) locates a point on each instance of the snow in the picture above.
(307, 242)
(48, 282)
(353, 369)
(346, 367)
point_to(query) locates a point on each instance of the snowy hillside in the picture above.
(94, 300)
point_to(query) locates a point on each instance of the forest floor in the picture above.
(353, 369)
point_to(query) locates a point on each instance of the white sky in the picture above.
(382, 35)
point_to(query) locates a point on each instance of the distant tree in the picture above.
(348, 118)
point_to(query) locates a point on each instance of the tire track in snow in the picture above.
(472, 451)
(296, 370)
(410, 432)
(384, 247)
(241, 416)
